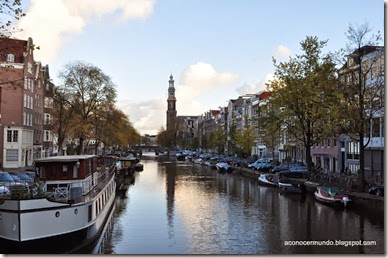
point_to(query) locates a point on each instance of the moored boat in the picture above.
(73, 199)
(290, 182)
(331, 195)
(268, 180)
(311, 186)
(223, 167)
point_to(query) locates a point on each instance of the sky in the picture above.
(216, 50)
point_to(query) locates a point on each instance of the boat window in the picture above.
(90, 213)
(64, 170)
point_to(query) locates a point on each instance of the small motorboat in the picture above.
(290, 182)
(223, 167)
(268, 180)
(331, 195)
(311, 186)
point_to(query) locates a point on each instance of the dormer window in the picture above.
(350, 62)
(10, 58)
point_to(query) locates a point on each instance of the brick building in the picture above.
(21, 104)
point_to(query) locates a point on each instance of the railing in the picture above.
(61, 191)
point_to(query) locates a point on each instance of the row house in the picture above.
(372, 63)
(186, 127)
(341, 153)
(22, 91)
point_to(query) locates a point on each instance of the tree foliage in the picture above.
(91, 91)
(270, 125)
(217, 140)
(245, 138)
(166, 138)
(305, 92)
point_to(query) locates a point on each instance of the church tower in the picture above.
(171, 108)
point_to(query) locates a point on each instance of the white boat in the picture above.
(331, 195)
(268, 180)
(72, 199)
(223, 167)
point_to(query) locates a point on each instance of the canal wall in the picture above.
(361, 200)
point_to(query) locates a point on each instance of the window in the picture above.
(47, 119)
(25, 100)
(9, 136)
(25, 82)
(47, 135)
(29, 68)
(12, 155)
(15, 136)
(376, 127)
(24, 118)
(48, 102)
(10, 58)
(64, 171)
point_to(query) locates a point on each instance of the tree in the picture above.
(232, 138)
(362, 79)
(165, 138)
(113, 128)
(10, 10)
(91, 90)
(219, 139)
(270, 125)
(245, 138)
(62, 117)
(305, 91)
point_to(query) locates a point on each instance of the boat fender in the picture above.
(345, 200)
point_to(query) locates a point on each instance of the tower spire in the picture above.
(171, 108)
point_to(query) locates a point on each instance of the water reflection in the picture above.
(179, 208)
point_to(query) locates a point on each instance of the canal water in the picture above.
(185, 208)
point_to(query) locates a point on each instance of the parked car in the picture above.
(25, 177)
(293, 167)
(266, 167)
(7, 181)
(259, 163)
(377, 190)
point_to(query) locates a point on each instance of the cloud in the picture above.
(282, 52)
(149, 116)
(198, 79)
(256, 87)
(52, 23)
(146, 116)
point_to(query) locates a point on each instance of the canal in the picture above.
(185, 208)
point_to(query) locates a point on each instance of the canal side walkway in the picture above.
(358, 198)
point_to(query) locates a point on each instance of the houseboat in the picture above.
(72, 199)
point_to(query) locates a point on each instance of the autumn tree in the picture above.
(10, 11)
(113, 128)
(305, 91)
(218, 139)
(231, 138)
(245, 138)
(269, 126)
(165, 138)
(362, 79)
(91, 89)
(62, 116)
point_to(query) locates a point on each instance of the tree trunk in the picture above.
(362, 161)
(80, 149)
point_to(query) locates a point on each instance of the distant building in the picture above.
(171, 106)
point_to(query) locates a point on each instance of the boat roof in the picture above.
(126, 159)
(68, 158)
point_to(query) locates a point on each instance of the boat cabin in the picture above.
(75, 167)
